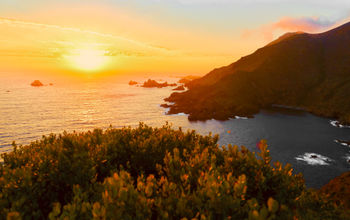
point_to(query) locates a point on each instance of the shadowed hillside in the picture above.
(309, 71)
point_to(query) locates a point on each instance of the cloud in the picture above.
(307, 24)
(126, 41)
(290, 24)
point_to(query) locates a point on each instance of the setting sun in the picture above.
(88, 59)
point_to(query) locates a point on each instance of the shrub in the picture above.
(151, 173)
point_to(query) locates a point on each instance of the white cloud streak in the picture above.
(14, 22)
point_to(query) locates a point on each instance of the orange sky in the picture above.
(101, 37)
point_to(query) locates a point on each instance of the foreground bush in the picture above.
(151, 173)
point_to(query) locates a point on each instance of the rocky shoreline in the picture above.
(177, 104)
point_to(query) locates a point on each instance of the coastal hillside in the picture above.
(338, 189)
(308, 71)
(153, 173)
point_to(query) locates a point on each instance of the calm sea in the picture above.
(27, 113)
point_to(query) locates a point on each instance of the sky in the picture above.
(61, 37)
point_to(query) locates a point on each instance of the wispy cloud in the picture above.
(307, 24)
(138, 44)
(290, 24)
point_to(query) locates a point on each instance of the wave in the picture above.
(337, 124)
(239, 117)
(314, 159)
(347, 157)
(344, 143)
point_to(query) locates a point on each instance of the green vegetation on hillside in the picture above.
(152, 173)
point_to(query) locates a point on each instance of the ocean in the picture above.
(301, 139)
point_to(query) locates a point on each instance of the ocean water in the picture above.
(301, 139)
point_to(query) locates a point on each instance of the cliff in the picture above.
(308, 71)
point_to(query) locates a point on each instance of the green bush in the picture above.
(151, 173)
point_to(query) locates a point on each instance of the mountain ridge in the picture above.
(309, 71)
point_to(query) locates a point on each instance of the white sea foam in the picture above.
(337, 124)
(314, 159)
(347, 158)
(166, 110)
(342, 143)
(238, 117)
(181, 114)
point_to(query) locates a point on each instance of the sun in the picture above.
(88, 59)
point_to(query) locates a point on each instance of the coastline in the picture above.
(176, 107)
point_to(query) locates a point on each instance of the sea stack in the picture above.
(154, 84)
(36, 83)
(131, 83)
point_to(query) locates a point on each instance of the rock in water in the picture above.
(154, 84)
(131, 83)
(36, 83)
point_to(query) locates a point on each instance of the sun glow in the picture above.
(88, 59)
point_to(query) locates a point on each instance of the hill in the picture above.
(308, 71)
(338, 189)
(152, 173)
